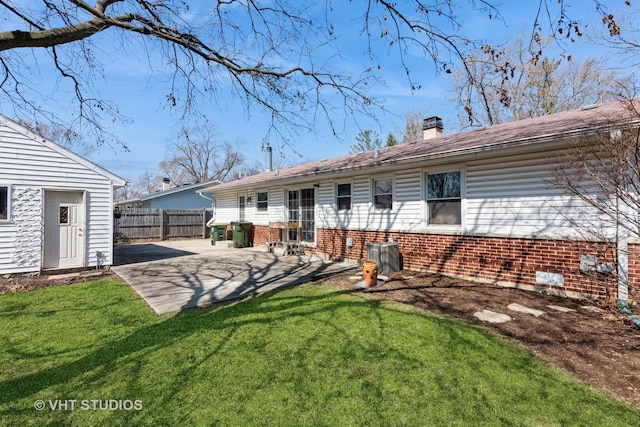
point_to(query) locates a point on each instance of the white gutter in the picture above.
(199, 193)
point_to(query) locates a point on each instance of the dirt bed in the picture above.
(26, 282)
(600, 346)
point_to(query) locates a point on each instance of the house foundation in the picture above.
(552, 266)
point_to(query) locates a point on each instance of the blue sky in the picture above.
(140, 96)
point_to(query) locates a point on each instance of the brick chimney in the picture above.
(166, 184)
(432, 128)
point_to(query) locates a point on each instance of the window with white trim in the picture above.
(262, 203)
(343, 197)
(5, 196)
(444, 198)
(383, 193)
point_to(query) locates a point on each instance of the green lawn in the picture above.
(304, 356)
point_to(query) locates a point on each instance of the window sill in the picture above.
(444, 227)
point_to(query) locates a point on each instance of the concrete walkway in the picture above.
(174, 275)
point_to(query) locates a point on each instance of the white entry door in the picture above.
(63, 229)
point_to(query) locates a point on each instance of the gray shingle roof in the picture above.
(532, 130)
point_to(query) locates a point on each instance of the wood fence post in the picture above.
(204, 223)
(162, 216)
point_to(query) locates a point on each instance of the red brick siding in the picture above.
(228, 233)
(261, 235)
(498, 259)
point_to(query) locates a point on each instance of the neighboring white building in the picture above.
(477, 204)
(56, 208)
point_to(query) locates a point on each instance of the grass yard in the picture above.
(304, 356)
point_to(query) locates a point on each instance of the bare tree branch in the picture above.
(504, 84)
(282, 56)
(197, 156)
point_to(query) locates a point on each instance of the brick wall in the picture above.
(261, 235)
(496, 259)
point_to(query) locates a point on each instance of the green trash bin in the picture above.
(218, 232)
(241, 234)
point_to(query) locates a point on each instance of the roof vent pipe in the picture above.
(432, 128)
(269, 158)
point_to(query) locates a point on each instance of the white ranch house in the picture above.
(475, 205)
(56, 208)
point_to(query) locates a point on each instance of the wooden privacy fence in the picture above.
(160, 224)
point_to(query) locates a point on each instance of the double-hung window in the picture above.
(444, 198)
(383, 193)
(5, 196)
(262, 203)
(343, 198)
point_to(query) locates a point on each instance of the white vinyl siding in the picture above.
(327, 214)
(31, 166)
(505, 196)
(360, 215)
(407, 201)
(226, 207)
(514, 196)
(361, 189)
(277, 208)
(325, 193)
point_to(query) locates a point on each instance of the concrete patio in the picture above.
(175, 275)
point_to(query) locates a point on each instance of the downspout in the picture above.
(213, 207)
